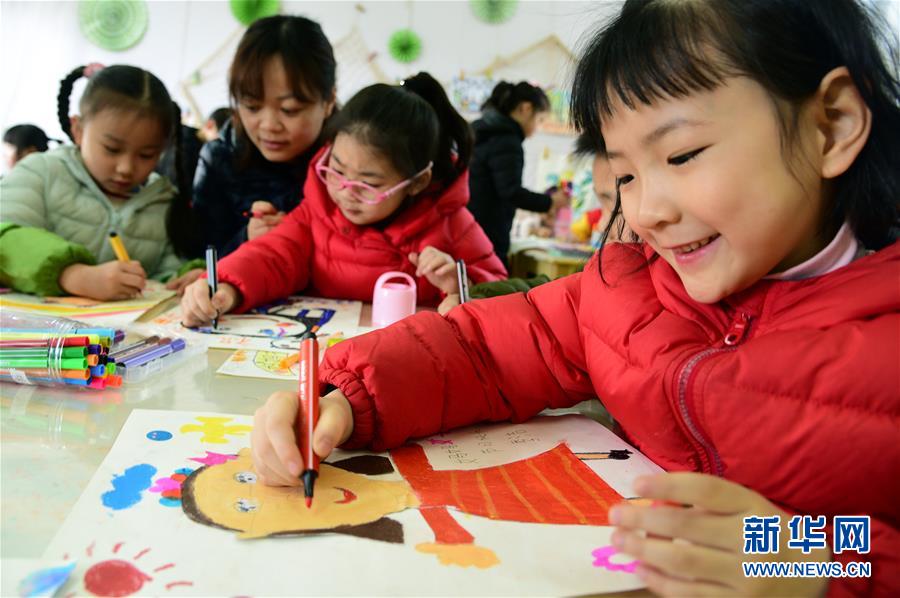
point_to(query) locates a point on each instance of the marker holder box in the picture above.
(43, 350)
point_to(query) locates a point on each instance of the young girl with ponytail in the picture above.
(60, 206)
(387, 193)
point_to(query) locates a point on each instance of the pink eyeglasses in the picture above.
(359, 190)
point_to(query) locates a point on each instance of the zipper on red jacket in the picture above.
(736, 333)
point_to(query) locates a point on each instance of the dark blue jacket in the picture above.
(223, 192)
(495, 178)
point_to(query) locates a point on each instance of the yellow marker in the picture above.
(118, 248)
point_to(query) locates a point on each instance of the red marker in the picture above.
(308, 412)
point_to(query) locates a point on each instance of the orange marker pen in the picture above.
(308, 412)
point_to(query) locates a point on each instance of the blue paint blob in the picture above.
(127, 488)
(184, 470)
(159, 435)
(170, 502)
(45, 582)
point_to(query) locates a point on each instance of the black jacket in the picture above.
(495, 178)
(222, 192)
(190, 155)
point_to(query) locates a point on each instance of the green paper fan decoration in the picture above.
(494, 11)
(248, 11)
(113, 24)
(405, 45)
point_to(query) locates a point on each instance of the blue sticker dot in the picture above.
(159, 435)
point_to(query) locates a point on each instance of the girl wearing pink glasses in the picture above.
(388, 193)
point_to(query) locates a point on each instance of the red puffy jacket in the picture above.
(319, 252)
(791, 388)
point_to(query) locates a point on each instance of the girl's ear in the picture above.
(844, 122)
(77, 129)
(420, 184)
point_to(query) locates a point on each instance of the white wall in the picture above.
(40, 42)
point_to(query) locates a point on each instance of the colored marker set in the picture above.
(60, 356)
(146, 351)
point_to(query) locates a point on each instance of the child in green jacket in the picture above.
(59, 207)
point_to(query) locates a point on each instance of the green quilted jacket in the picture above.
(63, 218)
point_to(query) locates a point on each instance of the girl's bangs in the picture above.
(645, 55)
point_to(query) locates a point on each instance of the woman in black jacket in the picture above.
(282, 87)
(511, 114)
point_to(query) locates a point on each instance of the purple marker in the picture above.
(121, 351)
(157, 352)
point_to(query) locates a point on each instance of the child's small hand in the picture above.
(197, 307)
(436, 266)
(181, 283)
(268, 218)
(706, 554)
(276, 457)
(449, 302)
(112, 281)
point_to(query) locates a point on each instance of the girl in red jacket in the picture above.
(749, 343)
(388, 194)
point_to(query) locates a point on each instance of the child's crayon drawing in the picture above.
(525, 516)
(603, 558)
(261, 364)
(33, 577)
(89, 310)
(128, 487)
(122, 568)
(273, 327)
(215, 430)
(169, 487)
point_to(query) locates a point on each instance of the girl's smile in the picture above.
(691, 253)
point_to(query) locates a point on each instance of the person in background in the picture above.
(510, 115)
(21, 140)
(388, 194)
(282, 87)
(603, 182)
(60, 206)
(214, 124)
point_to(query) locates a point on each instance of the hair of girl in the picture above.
(410, 124)
(129, 88)
(658, 50)
(506, 96)
(220, 116)
(25, 136)
(584, 146)
(308, 60)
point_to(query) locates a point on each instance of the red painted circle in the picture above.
(114, 578)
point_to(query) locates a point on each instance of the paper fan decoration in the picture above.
(405, 45)
(247, 11)
(494, 11)
(113, 24)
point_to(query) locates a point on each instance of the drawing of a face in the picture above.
(229, 496)
(258, 326)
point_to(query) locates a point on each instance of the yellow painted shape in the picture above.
(461, 555)
(215, 430)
